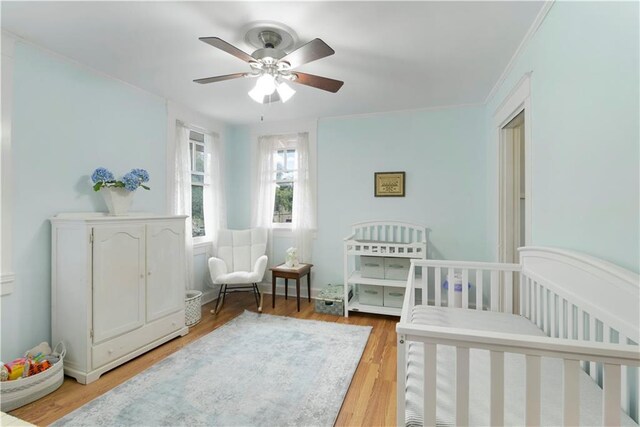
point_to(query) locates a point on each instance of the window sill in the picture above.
(202, 247)
(281, 230)
(288, 232)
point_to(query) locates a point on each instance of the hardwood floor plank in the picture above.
(370, 400)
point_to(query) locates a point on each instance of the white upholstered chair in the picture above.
(240, 264)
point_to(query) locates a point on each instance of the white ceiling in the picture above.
(391, 55)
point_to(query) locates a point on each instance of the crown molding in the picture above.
(533, 29)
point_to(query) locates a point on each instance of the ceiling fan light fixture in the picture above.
(257, 95)
(273, 67)
(266, 84)
(285, 91)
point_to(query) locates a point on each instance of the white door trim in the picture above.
(515, 102)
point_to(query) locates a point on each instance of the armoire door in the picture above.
(118, 280)
(165, 269)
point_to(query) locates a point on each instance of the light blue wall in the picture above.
(585, 131)
(238, 176)
(441, 152)
(66, 122)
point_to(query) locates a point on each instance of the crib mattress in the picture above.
(514, 374)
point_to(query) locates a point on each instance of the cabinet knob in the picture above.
(110, 351)
(142, 276)
(149, 273)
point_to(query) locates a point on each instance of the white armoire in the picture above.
(118, 286)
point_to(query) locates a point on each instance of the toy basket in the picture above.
(17, 393)
(193, 307)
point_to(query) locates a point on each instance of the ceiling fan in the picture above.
(273, 67)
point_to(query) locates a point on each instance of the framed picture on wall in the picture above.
(389, 184)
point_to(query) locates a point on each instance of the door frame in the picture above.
(518, 100)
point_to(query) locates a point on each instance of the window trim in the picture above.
(289, 147)
(284, 128)
(200, 241)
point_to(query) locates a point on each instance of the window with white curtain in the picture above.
(198, 188)
(285, 193)
(207, 204)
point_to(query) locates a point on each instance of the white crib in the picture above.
(549, 323)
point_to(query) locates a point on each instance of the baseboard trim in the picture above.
(265, 287)
(210, 295)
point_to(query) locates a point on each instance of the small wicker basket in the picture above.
(193, 307)
(17, 393)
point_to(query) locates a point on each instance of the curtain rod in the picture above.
(197, 128)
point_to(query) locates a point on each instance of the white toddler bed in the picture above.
(494, 362)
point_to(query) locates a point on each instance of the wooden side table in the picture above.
(287, 273)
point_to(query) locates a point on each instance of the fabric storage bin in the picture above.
(330, 300)
(393, 296)
(396, 268)
(17, 393)
(371, 294)
(372, 267)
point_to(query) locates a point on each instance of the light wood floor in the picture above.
(370, 401)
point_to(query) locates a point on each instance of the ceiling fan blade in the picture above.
(229, 48)
(315, 49)
(220, 78)
(324, 83)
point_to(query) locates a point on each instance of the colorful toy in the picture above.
(16, 372)
(36, 360)
(36, 368)
(43, 348)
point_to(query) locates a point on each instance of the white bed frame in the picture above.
(588, 308)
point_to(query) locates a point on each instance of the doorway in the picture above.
(513, 194)
(512, 121)
(513, 199)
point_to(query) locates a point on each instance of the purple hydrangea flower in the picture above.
(102, 175)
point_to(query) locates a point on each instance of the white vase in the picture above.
(118, 200)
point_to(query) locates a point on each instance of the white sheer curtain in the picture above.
(303, 222)
(265, 185)
(181, 202)
(303, 210)
(214, 200)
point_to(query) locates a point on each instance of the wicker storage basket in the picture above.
(193, 307)
(17, 393)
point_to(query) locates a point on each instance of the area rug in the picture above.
(256, 370)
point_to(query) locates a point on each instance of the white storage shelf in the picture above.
(356, 278)
(354, 305)
(380, 239)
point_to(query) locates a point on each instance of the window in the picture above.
(284, 195)
(285, 172)
(199, 180)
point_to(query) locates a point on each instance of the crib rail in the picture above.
(492, 289)
(613, 357)
(557, 291)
